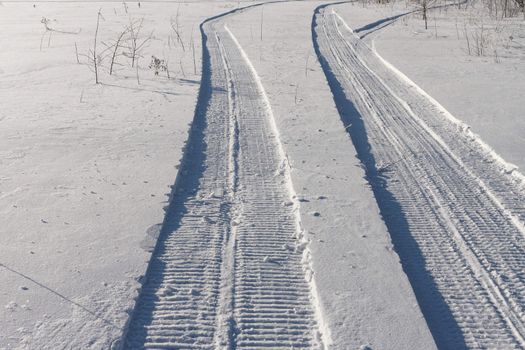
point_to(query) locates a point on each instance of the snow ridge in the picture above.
(226, 325)
(285, 170)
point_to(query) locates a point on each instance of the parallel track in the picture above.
(455, 219)
(228, 270)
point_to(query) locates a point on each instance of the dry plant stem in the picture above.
(76, 52)
(116, 46)
(133, 41)
(42, 39)
(179, 39)
(134, 29)
(306, 66)
(95, 63)
(137, 71)
(135, 47)
(193, 53)
(176, 28)
(49, 38)
(262, 20)
(182, 69)
(435, 27)
(45, 21)
(47, 29)
(177, 17)
(192, 44)
(467, 39)
(167, 64)
(424, 4)
(480, 40)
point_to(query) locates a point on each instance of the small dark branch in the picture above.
(306, 66)
(116, 47)
(193, 52)
(262, 21)
(137, 67)
(182, 68)
(45, 21)
(95, 57)
(176, 30)
(76, 52)
(135, 46)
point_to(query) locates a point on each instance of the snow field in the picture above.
(290, 214)
(85, 170)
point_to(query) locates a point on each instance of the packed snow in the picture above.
(317, 175)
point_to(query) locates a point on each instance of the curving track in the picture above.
(455, 219)
(227, 271)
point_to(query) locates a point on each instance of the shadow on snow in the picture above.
(441, 322)
(186, 184)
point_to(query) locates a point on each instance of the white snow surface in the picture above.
(85, 169)
(385, 97)
(364, 296)
(485, 91)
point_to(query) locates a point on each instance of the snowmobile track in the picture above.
(456, 219)
(227, 271)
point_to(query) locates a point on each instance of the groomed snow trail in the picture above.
(228, 270)
(455, 218)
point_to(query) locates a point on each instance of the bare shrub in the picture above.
(114, 46)
(159, 65)
(94, 59)
(174, 21)
(136, 43)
